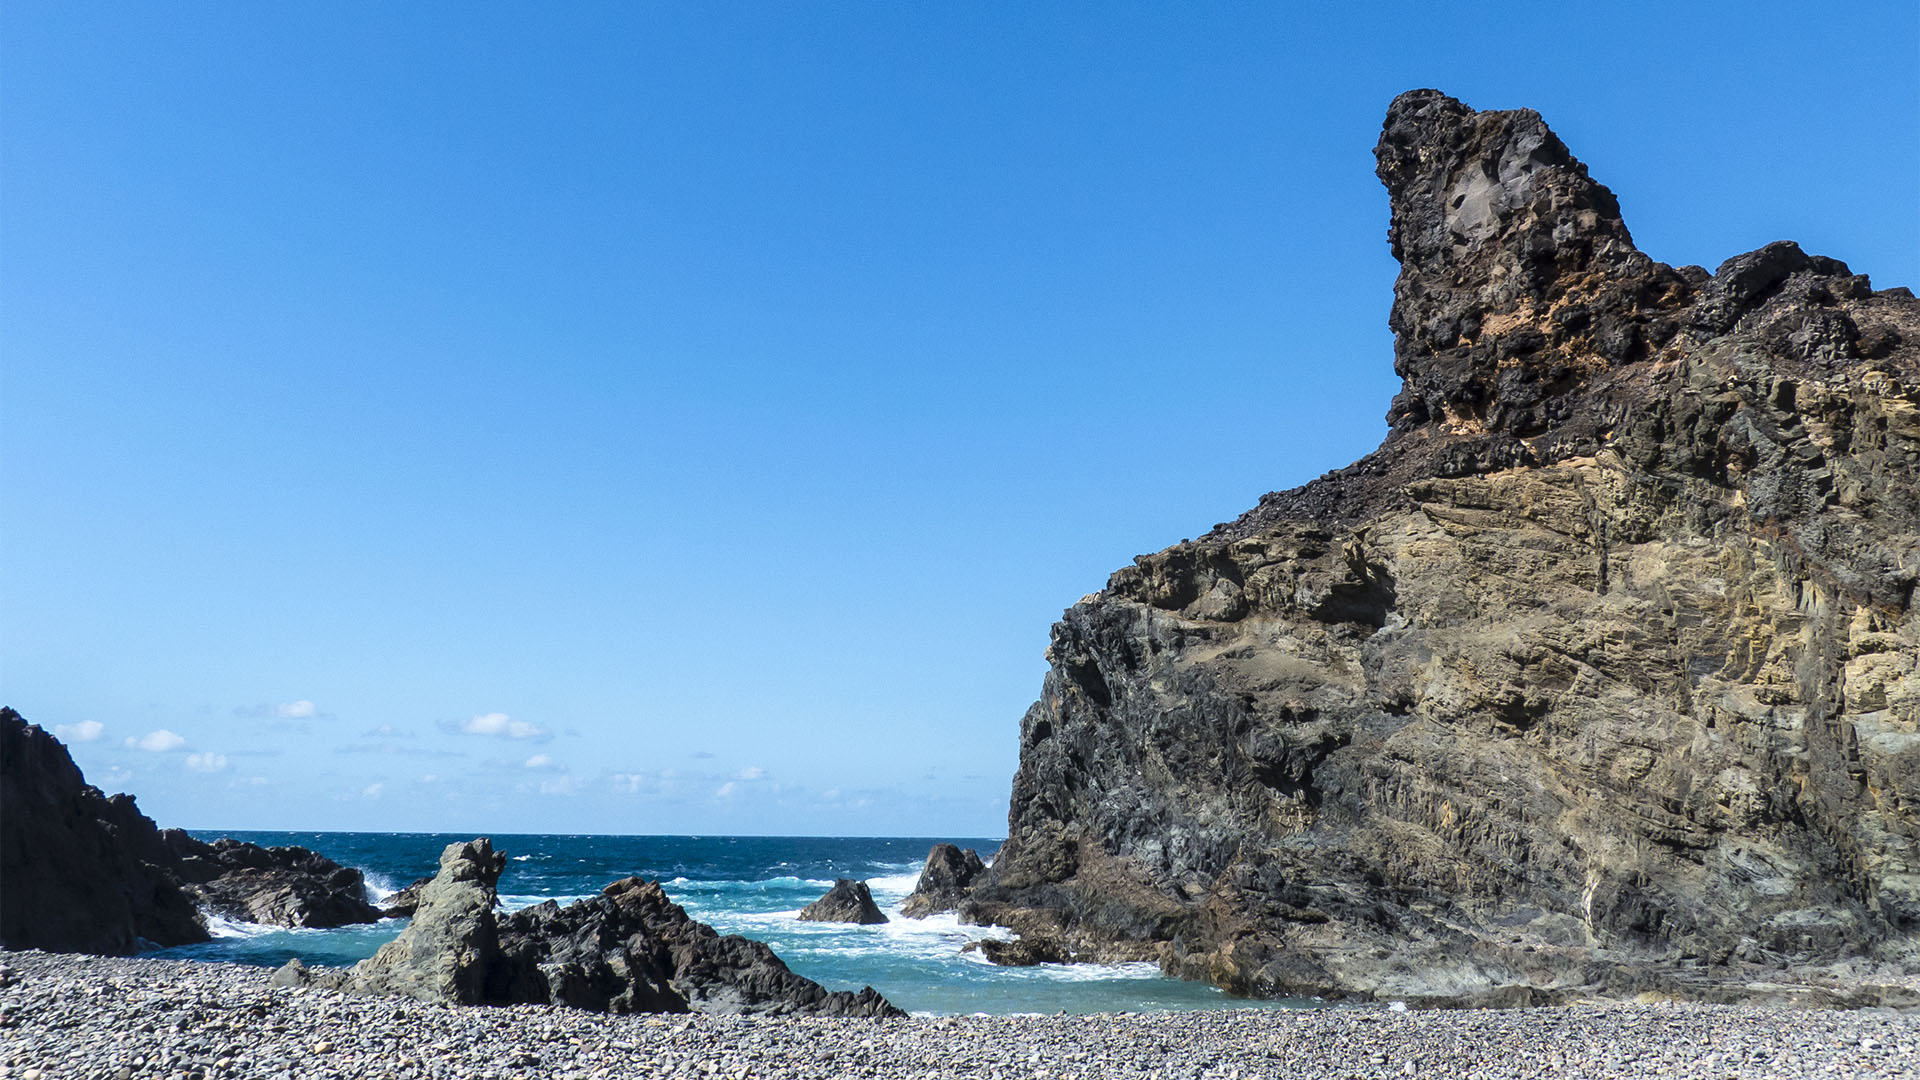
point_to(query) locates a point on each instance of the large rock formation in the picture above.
(84, 872)
(79, 871)
(849, 901)
(630, 949)
(279, 886)
(1598, 676)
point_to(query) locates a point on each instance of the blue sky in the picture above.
(690, 418)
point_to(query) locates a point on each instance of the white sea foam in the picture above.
(894, 884)
(521, 858)
(221, 926)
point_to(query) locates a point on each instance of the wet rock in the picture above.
(848, 902)
(1600, 677)
(944, 882)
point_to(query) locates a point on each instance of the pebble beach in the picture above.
(85, 1016)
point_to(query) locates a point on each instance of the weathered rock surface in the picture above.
(280, 886)
(944, 881)
(630, 949)
(84, 872)
(79, 871)
(1598, 676)
(848, 901)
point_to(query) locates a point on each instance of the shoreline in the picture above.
(76, 1015)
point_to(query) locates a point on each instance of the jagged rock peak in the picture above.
(1518, 278)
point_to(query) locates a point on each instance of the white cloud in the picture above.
(115, 774)
(539, 761)
(372, 791)
(830, 794)
(502, 726)
(559, 785)
(157, 741)
(208, 763)
(296, 710)
(751, 772)
(84, 731)
(726, 790)
(429, 778)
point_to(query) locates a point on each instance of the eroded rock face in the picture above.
(630, 949)
(848, 901)
(944, 882)
(1599, 675)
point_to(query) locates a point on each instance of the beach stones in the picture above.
(848, 902)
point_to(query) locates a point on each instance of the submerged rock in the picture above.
(848, 901)
(1597, 677)
(630, 949)
(944, 882)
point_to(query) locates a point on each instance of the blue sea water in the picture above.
(749, 885)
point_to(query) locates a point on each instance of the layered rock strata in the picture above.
(628, 950)
(1598, 676)
(848, 901)
(84, 872)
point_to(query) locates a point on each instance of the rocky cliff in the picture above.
(1598, 676)
(81, 871)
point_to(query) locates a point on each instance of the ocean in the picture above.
(748, 885)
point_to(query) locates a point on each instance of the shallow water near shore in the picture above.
(749, 885)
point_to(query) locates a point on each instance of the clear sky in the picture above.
(690, 417)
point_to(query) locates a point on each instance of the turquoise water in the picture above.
(749, 885)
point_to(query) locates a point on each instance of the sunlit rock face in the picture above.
(1597, 677)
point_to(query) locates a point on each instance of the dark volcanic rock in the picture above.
(82, 872)
(848, 901)
(87, 873)
(944, 882)
(1598, 677)
(630, 949)
(280, 886)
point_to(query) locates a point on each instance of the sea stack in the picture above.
(848, 901)
(1597, 677)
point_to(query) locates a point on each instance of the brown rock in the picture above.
(1598, 677)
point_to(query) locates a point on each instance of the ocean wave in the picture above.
(222, 926)
(378, 887)
(895, 884)
(523, 858)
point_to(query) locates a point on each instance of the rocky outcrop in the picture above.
(848, 901)
(279, 886)
(1598, 676)
(85, 872)
(79, 871)
(944, 882)
(630, 949)
(404, 902)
